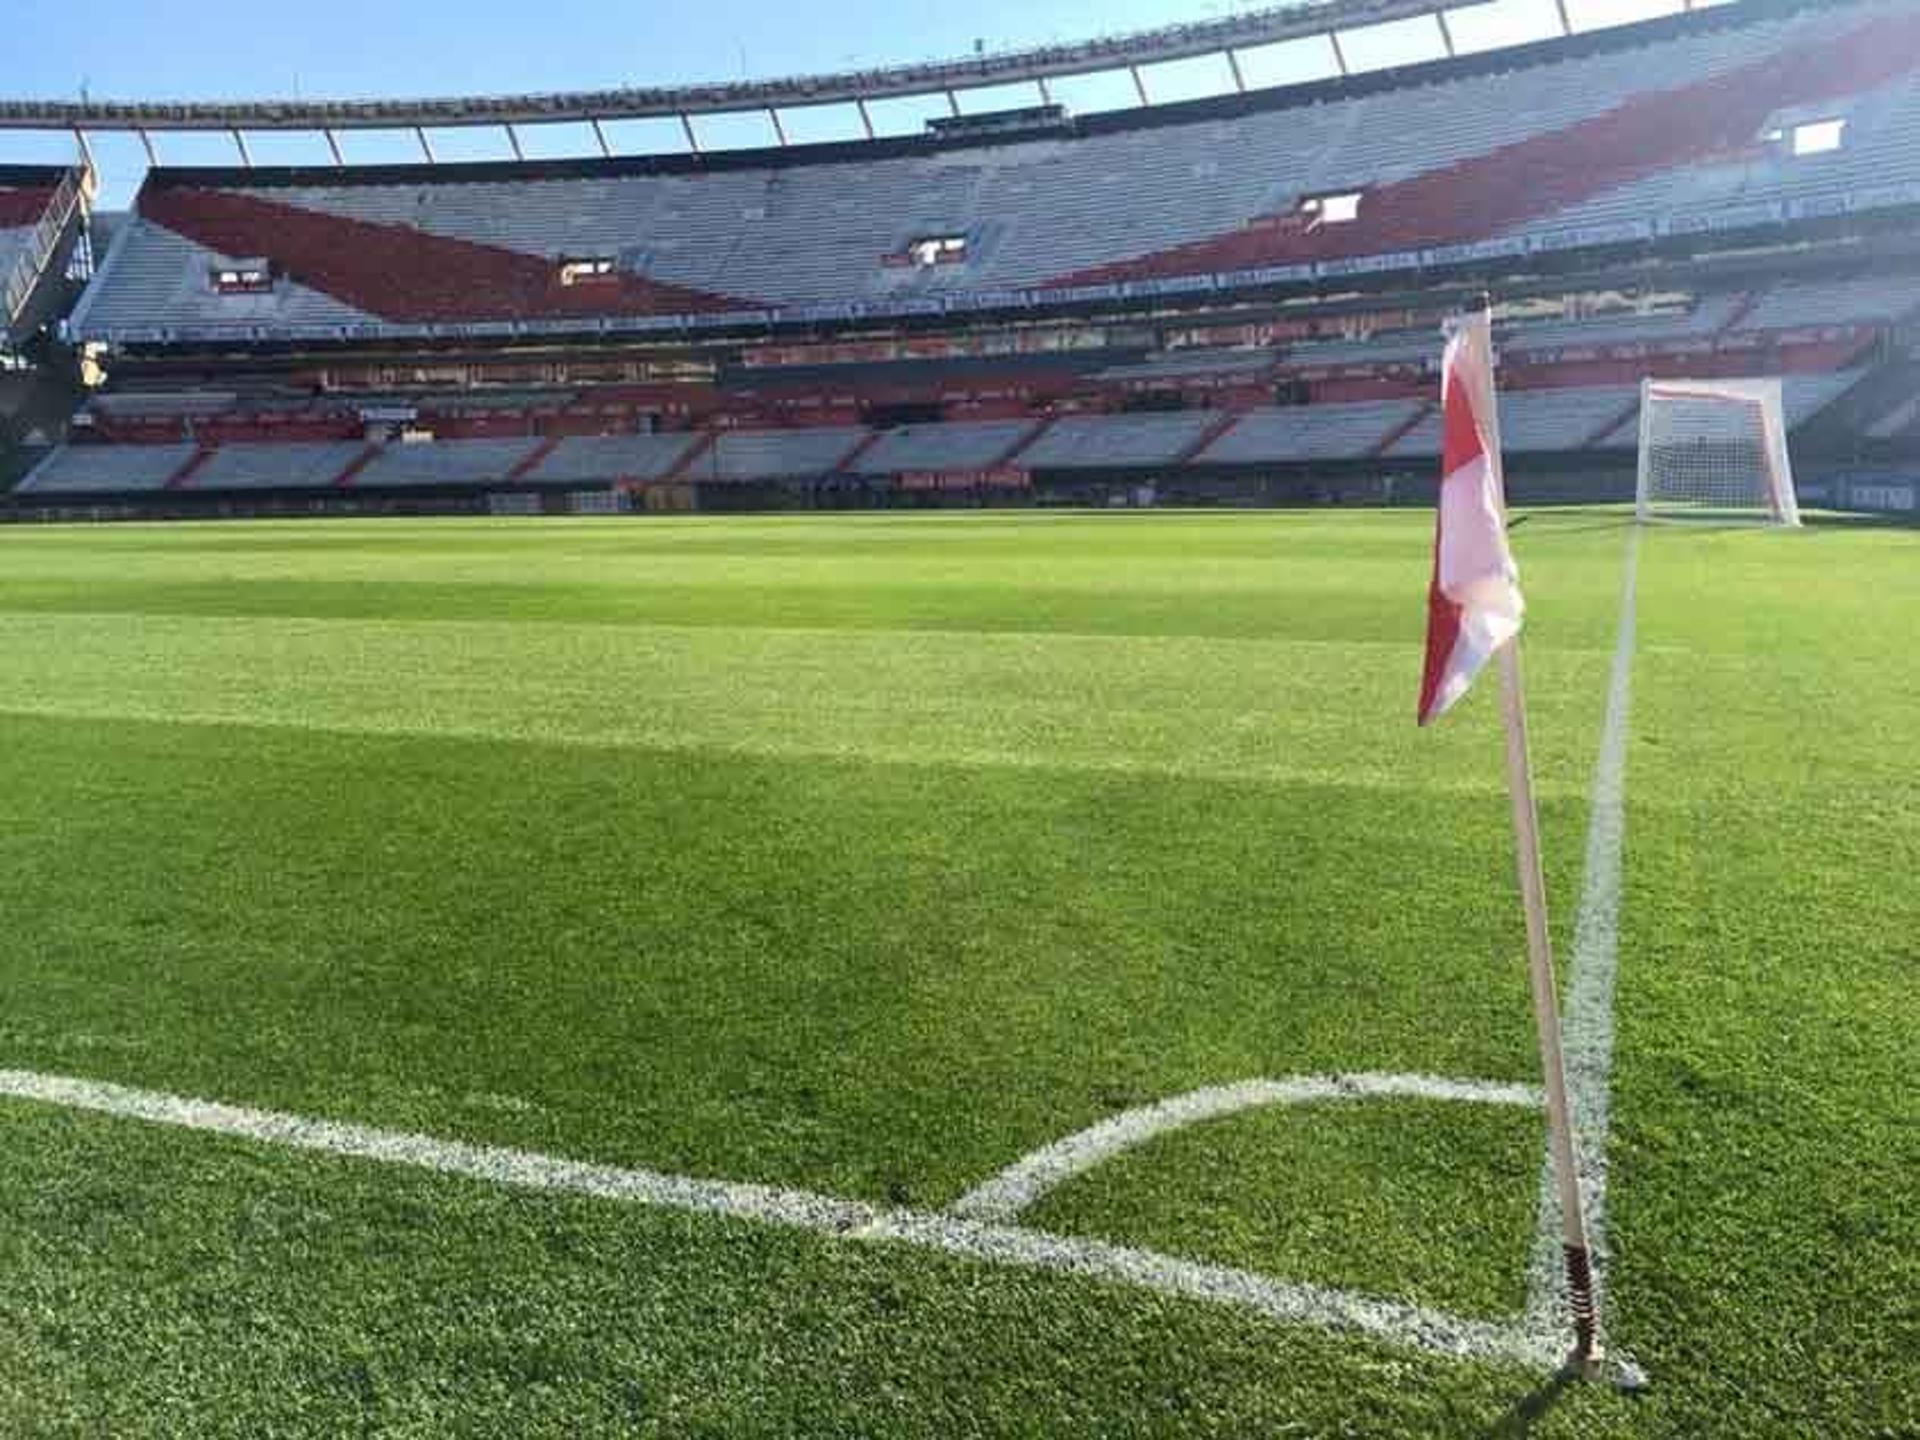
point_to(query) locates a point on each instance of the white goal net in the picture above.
(1714, 449)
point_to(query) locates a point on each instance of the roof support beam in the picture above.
(1192, 39)
(146, 143)
(1566, 23)
(86, 147)
(600, 139)
(866, 120)
(1339, 55)
(1446, 32)
(333, 144)
(1233, 64)
(686, 125)
(953, 104)
(779, 130)
(513, 143)
(1139, 85)
(1046, 95)
(426, 147)
(240, 144)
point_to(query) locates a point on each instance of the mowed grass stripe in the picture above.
(1267, 710)
(1266, 603)
(873, 980)
(1272, 576)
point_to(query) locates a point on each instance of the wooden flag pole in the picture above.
(1546, 1014)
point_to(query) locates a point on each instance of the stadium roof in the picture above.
(1125, 53)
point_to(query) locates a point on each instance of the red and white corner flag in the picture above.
(1473, 614)
(1473, 603)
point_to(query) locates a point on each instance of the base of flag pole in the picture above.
(1584, 1363)
(1595, 1366)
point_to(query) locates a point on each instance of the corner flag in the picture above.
(1473, 614)
(1473, 601)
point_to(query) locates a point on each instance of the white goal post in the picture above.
(1714, 448)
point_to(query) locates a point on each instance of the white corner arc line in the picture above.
(1587, 1021)
(1033, 1175)
(1396, 1322)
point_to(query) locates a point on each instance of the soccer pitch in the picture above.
(782, 889)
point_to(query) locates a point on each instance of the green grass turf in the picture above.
(1444, 1194)
(868, 854)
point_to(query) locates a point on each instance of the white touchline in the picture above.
(1389, 1320)
(1587, 1024)
(452, 1157)
(1032, 1176)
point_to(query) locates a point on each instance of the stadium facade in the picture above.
(1230, 300)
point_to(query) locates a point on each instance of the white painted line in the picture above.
(1032, 1176)
(1587, 1020)
(522, 1168)
(1288, 1302)
(1291, 1303)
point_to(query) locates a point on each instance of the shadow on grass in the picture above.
(1532, 1407)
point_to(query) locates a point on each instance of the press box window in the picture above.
(1818, 137)
(1341, 209)
(585, 269)
(1808, 137)
(938, 250)
(243, 277)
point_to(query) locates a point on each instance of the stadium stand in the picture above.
(1709, 317)
(1222, 300)
(1590, 417)
(301, 465)
(960, 445)
(1854, 300)
(41, 210)
(1192, 364)
(777, 454)
(108, 468)
(21, 210)
(1414, 348)
(1807, 395)
(603, 459)
(1097, 442)
(445, 462)
(1311, 432)
(1569, 420)
(1543, 421)
(1683, 136)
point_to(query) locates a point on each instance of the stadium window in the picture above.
(242, 277)
(1818, 137)
(938, 250)
(1340, 209)
(585, 269)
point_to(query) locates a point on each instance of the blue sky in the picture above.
(162, 49)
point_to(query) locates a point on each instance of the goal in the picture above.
(1714, 449)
